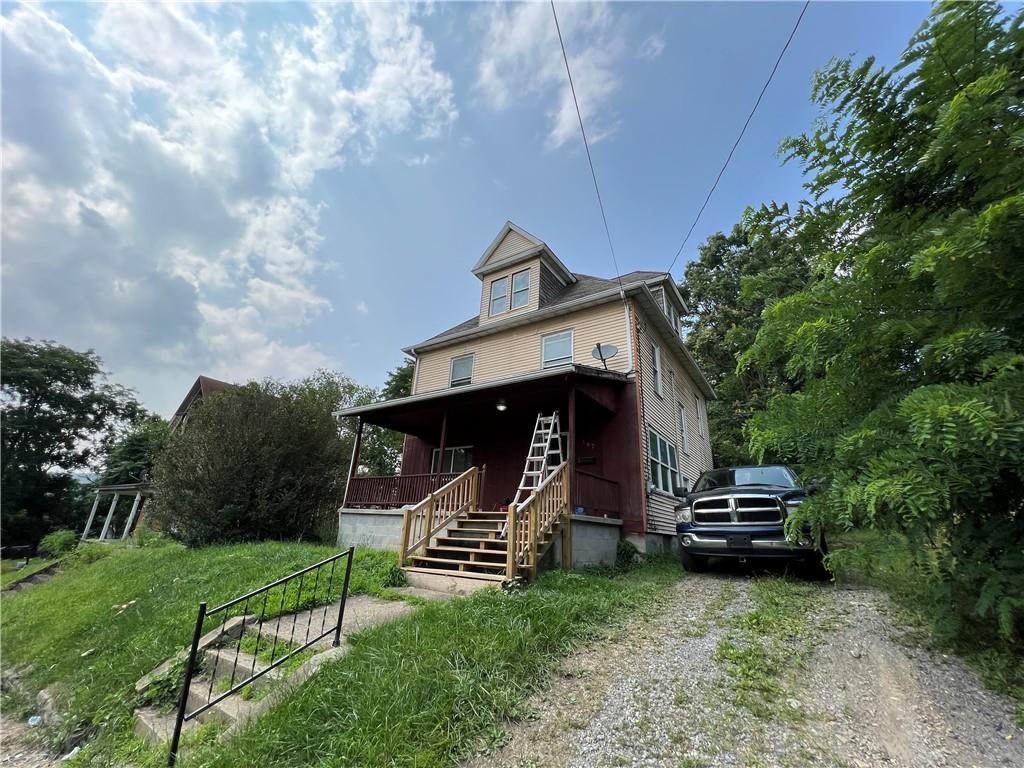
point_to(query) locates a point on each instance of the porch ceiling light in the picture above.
(501, 405)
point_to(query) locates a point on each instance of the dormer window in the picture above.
(499, 296)
(520, 289)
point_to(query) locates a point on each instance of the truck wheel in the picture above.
(694, 563)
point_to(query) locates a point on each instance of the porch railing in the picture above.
(530, 522)
(422, 522)
(392, 491)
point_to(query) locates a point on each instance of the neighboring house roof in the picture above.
(203, 387)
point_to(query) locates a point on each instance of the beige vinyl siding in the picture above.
(662, 413)
(511, 244)
(517, 350)
(485, 294)
(550, 286)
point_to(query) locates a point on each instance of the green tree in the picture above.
(60, 415)
(727, 288)
(131, 459)
(260, 461)
(907, 353)
(381, 452)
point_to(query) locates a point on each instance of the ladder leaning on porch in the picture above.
(545, 443)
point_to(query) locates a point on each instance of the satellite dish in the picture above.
(604, 353)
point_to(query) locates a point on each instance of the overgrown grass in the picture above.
(885, 561)
(112, 614)
(435, 686)
(9, 575)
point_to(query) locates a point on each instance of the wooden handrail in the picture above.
(421, 522)
(532, 520)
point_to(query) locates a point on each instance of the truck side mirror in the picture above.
(679, 491)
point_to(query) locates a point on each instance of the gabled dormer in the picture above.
(518, 274)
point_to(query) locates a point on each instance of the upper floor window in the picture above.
(520, 289)
(461, 371)
(499, 295)
(663, 462)
(656, 353)
(556, 349)
(701, 416)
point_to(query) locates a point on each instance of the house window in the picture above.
(656, 351)
(701, 416)
(684, 429)
(663, 462)
(556, 349)
(520, 289)
(499, 295)
(462, 371)
(456, 459)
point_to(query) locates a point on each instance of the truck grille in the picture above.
(737, 510)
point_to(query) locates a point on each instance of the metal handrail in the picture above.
(183, 715)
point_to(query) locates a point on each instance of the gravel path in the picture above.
(654, 695)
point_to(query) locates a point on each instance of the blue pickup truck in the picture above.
(739, 512)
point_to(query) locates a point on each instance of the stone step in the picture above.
(157, 727)
(226, 660)
(448, 582)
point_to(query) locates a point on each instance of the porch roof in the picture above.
(407, 413)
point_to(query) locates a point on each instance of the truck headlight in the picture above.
(684, 515)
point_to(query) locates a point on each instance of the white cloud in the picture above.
(521, 58)
(652, 47)
(362, 308)
(419, 160)
(164, 162)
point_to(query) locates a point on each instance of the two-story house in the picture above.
(568, 392)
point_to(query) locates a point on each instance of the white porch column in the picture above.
(131, 515)
(109, 518)
(92, 516)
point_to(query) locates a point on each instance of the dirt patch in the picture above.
(19, 748)
(654, 695)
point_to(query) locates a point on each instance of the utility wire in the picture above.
(586, 145)
(740, 137)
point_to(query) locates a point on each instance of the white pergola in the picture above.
(139, 491)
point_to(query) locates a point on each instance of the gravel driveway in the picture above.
(657, 694)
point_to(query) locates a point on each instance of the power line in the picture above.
(740, 137)
(586, 145)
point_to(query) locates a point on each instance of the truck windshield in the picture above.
(727, 477)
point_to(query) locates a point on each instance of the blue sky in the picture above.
(261, 190)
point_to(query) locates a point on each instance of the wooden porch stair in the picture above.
(448, 536)
(471, 548)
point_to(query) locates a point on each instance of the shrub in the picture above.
(261, 461)
(58, 543)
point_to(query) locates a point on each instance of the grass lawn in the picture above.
(96, 627)
(8, 574)
(435, 686)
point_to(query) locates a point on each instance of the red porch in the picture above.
(490, 426)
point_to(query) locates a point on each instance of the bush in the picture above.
(58, 543)
(261, 461)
